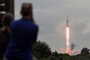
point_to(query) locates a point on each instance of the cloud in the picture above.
(50, 15)
(87, 28)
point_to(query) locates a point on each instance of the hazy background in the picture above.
(51, 15)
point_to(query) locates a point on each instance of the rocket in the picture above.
(68, 45)
(67, 22)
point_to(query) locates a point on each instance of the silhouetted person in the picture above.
(23, 35)
(4, 33)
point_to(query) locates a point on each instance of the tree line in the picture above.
(42, 51)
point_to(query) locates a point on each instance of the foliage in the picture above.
(84, 51)
(41, 50)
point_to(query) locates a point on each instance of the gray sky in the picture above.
(50, 15)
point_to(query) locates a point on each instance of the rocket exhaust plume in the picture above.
(68, 45)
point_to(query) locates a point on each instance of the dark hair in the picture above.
(26, 9)
(7, 18)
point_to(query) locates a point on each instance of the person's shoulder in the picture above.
(15, 21)
(36, 26)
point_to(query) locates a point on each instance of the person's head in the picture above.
(7, 18)
(26, 11)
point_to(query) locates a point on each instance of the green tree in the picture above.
(41, 50)
(55, 54)
(85, 51)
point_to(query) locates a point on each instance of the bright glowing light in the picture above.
(68, 49)
(67, 36)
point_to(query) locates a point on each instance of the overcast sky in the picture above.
(50, 15)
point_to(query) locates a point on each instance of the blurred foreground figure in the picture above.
(23, 35)
(5, 33)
